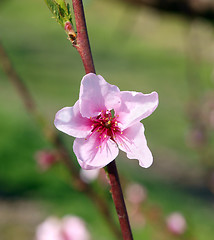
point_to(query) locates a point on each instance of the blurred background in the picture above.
(145, 46)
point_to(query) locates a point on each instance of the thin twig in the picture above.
(119, 202)
(55, 139)
(17, 81)
(82, 42)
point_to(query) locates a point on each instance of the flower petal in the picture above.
(135, 106)
(70, 121)
(133, 142)
(89, 153)
(97, 95)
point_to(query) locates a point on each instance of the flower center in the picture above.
(106, 125)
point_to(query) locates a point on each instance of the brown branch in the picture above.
(119, 202)
(16, 81)
(84, 50)
(82, 42)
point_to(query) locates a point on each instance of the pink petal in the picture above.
(90, 155)
(70, 121)
(135, 106)
(97, 95)
(133, 142)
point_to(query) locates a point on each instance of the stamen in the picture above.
(106, 125)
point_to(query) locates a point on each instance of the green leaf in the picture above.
(69, 12)
(60, 10)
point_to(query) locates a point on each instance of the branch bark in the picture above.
(82, 42)
(119, 202)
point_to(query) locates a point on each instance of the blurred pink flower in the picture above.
(69, 228)
(45, 159)
(73, 228)
(135, 193)
(50, 229)
(105, 119)
(89, 175)
(176, 223)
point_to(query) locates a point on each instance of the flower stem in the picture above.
(83, 47)
(119, 202)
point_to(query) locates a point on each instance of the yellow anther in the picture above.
(109, 122)
(121, 132)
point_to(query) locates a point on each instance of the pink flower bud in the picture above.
(68, 27)
(176, 223)
(70, 31)
(45, 159)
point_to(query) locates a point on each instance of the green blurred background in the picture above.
(136, 49)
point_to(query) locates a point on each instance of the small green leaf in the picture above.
(60, 10)
(69, 12)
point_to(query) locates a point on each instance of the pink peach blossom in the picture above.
(176, 223)
(67, 228)
(105, 119)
